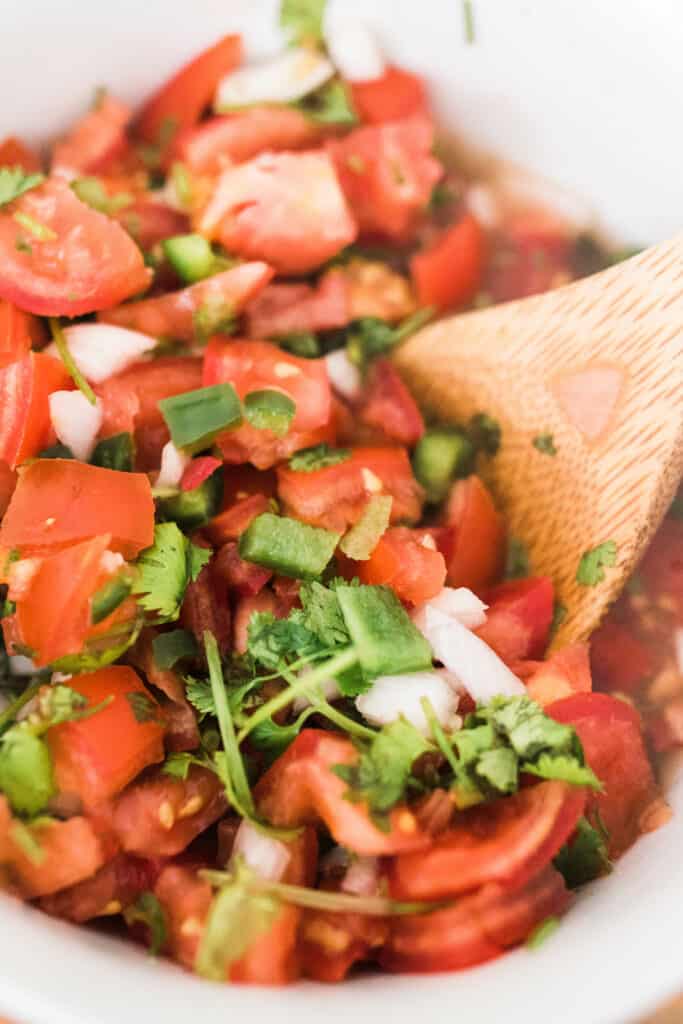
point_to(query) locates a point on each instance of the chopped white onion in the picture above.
(282, 79)
(101, 350)
(362, 877)
(354, 50)
(173, 465)
(391, 697)
(76, 421)
(478, 668)
(345, 378)
(678, 647)
(19, 665)
(481, 201)
(456, 603)
(266, 856)
(111, 562)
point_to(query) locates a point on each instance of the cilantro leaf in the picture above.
(484, 433)
(14, 182)
(302, 20)
(500, 768)
(25, 770)
(273, 739)
(592, 566)
(320, 456)
(369, 337)
(200, 696)
(527, 728)
(331, 104)
(143, 707)
(564, 767)
(273, 640)
(170, 648)
(517, 564)
(165, 569)
(178, 765)
(585, 857)
(148, 911)
(545, 443)
(300, 343)
(322, 615)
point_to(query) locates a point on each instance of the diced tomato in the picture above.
(301, 789)
(199, 470)
(285, 208)
(334, 497)
(375, 289)
(72, 851)
(387, 173)
(58, 502)
(8, 481)
(475, 547)
(97, 756)
(206, 607)
(287, 308)
(397, 94)
(240, 482)
(244, 577)
(228, 525)
(331, 943)
(173, 315)
(531, 255)
(389, 406)
(264, 601)
(94, 140)
(567, 672)
(15, 333)
(478, 927)
(161, 815)
(449, 273)
(25, 387)
(114, 887)
(182, 732)
(507, 842)
(87, 262)
(402, 561)
(180, 101)
(611, 733)
(220, 141)
(662, 567)
(150, 221)
(15, 153)
(620, 660)
(518, 618)
(186, 900)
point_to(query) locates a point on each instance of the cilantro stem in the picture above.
(237, 775)
(334, 667)
(342, 720)
(439, 735)
(10, 713)
(413, 323)
(77, 377)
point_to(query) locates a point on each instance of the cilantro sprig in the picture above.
(165, 570)
(14, 182)
(591, 570)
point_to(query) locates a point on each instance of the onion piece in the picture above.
(456, 603)
(101, 350)
(266, 856)
(20, 665)
(362, 877)
(391, 697)
(173, 465)
(345, 378)
(478, 668)
(76, 421)
(282, 79)
(354, 50)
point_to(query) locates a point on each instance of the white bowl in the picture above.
(588, 94)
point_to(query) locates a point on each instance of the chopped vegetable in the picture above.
(166, 569)
(439, 457)
(14, 182)
(363, 537)
(307, 460)
(196, 417)
(385, 639)
(269, 410)
(287, 546)
(545, 443)
(591, 570)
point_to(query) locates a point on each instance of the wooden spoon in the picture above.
(596, 368)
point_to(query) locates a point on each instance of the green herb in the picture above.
(195, 418)
(442, 196)
(441, 455)
(302, 20)
(25, 839)
(170, 648)
(517, 563)
(592, 566)
(413, 323)
(585, 857)
(484, 433)
(287, 546)
(368, 338)
(56, 451)
(214, 316)
(166, 569)
(331, 104)
(192, 257)
(148, 911)
(272, 739)
(200, 695)
(468, 21)
(115, 452)
(300, 343)
(308, 460)
(25, 770)
(62, 346)
(542, 932)
(272, 641)
(14, 182)
(364, 536)
(92, 192)
(178, 765)
(545, 444)
(109, 597)
(269, 410)
(143, 707)
(559, 615)
(21, 245)
(380, 776)
(35, 227)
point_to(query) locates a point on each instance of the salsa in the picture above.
(275, 691)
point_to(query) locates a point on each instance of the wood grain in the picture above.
(535, 366)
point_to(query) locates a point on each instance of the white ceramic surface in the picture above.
(587, 93)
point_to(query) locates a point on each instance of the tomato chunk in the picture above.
(175, 314)
(8, 481)
(16, 328)
(331, 943)
(85, 263)
(301, 789)
(150, 221)
(287, 308)
(97, 756)
(58, 502)
(15, 153)
(334, 497)
(243, 577)
(389, 406)
(229, 524)
(395, 95)
(206, 606)
(25, 387)
(518, 618)
(402, 560)
(533, 254)
(474, 548)
(567, 672)
(620, 660)
(448, 274)
(611, 733)
(284, 208)
(94, 140)
(117, 884)
(186, 900)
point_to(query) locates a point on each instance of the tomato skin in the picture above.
(285, 208)
(206, 606)
(8, 481)
(160, 815)
(97, 756)
(245, 578)
(389, 407)
(518, 618)
(233, 521)
(16, 330)
(387, 173)
(619, 659)
(181, 100)
(567, 672)
(218, 141)
(335, 497)
(91, 264)
(185, 898)
(286, 308)
(611, 734)
(397, 94)
(94, 140)
(331, 943)
(300, 789)
(401, 561)
(25, 387)
(474, 547)
(150, 221)
(15, 153)
(478, 927)
(107, 502)
(507, 842)
(199, 470)
(533, 255)
(448, 274)
(172, 315)
(119, 881)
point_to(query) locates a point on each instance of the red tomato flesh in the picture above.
(402, 561)
(397, 94)
(389, 407)
(15, 153)
(518, 618)
(16, 329)
(283, 309)
(25, 386)
(474, 548)
(448, 274)
(94, 140)
(117, 883)
(567, 672)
